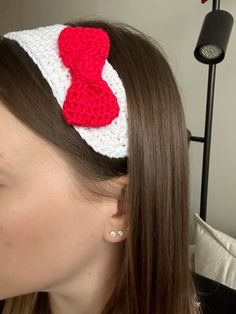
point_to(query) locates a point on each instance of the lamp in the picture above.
(214, 36)
(211, 49)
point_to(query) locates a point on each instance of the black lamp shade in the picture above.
(214, 36)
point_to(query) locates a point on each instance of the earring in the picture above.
(120, 233)
(115, 233)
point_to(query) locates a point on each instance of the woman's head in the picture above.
(59, 199)
(47, 224)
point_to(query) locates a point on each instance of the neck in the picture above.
(87, 292)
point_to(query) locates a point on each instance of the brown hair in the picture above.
(154, 274)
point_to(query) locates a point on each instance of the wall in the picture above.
(9, 15)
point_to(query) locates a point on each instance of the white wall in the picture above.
(176, 25)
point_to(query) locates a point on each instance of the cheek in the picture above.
(43, 237)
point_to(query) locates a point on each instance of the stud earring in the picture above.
(115, 233)
(120, 233)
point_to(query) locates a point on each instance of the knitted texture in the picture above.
(86, 86)
(89, 100)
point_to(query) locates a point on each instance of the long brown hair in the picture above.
(154, 273)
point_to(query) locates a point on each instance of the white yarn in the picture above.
(41, 45)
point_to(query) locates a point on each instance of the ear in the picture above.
(116, 227)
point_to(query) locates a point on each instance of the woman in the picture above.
(94, 201)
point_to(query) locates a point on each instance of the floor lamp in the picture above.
(210, 49)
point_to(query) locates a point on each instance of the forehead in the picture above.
(20, 146)
(12, 129)
(16, 140)
(10, 136)
(7, 120)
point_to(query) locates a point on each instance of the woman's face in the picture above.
(48, 233)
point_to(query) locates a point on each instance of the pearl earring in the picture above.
(120, 233)
(115, 233)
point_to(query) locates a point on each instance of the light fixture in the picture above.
(214, 36)
(210, 49)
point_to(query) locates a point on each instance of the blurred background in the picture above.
(176, 26)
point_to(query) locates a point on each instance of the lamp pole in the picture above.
(207, 132)
(210, 49)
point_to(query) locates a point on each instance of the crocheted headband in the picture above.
(74, 62)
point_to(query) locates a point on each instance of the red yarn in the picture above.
(89, 101)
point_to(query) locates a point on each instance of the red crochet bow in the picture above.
(89, 101)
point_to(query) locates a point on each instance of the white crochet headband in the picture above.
(74, 62)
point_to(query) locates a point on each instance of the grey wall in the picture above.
(9, 15)
(176, 25)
